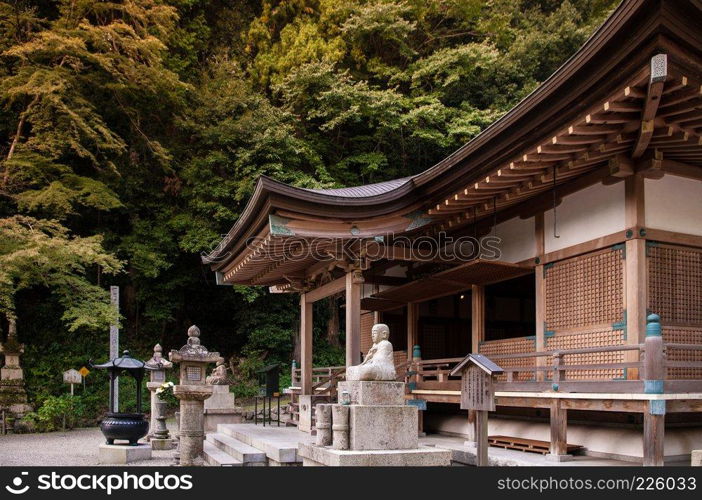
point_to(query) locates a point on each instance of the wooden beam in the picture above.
(656, 82)
(621, 166)
(326, 290)
(306, 337)
(477, 316)
(353, 286)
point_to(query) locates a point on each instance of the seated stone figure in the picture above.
(218, 375)
(379, 363)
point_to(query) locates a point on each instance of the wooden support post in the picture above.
(559, 431)
(481, 437)
(540, 294)
(636, 286)
(654, 435)
(654, 383)
(354, 283)
(412, 327)
(306, 336)
(477, 317)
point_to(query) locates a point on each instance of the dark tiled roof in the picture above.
(364, 191)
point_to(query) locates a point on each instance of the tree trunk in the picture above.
(333, 322)
(296, 342)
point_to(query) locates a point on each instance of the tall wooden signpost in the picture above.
(477, 393)
(114, 342)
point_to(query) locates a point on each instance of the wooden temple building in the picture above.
(585, 201)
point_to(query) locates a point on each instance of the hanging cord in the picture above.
(555, 220)
(494, 215)
(475, 222)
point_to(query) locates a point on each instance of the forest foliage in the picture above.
(132, 133)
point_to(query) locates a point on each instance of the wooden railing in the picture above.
(320, 375)
(551, 374)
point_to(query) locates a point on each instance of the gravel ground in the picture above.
(75, 447)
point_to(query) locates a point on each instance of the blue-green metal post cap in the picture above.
(416, 352)
(653, 325)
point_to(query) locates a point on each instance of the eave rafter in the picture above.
(660, 111)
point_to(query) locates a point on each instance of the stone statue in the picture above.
(219, 374)
(379, 363)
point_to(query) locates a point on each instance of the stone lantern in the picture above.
(13, 395)
(158, 432)
(192, 392)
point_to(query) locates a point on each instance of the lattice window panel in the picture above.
(675, 284)
(599, 338)
(682, 335)
(517, 345)
(585, 290)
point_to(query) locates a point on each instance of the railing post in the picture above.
(558, 369)
(654, 383)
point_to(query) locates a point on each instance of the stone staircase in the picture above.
(247, 445)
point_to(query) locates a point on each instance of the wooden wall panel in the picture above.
(584, 307)
(585, 290)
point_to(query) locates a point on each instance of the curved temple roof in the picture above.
(591, 113)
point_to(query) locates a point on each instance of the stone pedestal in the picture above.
(116, 454)
(191, 431)
(376, 429)
(305, 415)
(696, 458)
(220, 408)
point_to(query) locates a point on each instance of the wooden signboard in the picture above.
(478, 395)
(477, 390)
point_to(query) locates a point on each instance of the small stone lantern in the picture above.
(158, 432)
(192, 392)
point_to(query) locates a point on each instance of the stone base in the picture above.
(11, 373)
(313, 455)
(374, 393)
(121, 454)
(305, 417)
(696, 458)
(559, 458)
(162, 444)
(214, 417)
(383, 427)
(221, 398)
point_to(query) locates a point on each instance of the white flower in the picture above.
(159, 390)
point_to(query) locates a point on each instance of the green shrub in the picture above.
(57, 413)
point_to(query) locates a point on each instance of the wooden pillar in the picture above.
(306, 336)
(481, 437)
(412, 327)
(636, 277)
(654, 435)
(477, 317)
(540, 294)
(654, 373)
(354, 284)
(559, 430)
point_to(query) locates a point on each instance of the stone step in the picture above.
(237, 449)
(217, 458)
(277, 449)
